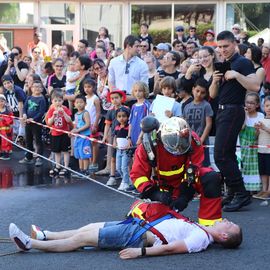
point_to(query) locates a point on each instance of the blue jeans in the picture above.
(122, 163)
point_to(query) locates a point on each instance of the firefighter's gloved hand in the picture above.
(180, 204)
(161, 196)
(187, 191)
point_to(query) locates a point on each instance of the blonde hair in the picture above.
(143, 86)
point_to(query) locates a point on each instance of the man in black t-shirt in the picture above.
(16, 68)
(231, 89)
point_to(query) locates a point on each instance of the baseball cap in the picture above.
(209, 31)
(236, 26)
(162, 46)
(180, 28)
(6, 78)
(3, 97)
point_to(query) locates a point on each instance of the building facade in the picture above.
(68, 21)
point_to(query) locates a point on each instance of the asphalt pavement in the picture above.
(28, 196)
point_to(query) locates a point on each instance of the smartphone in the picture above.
(222, 67)
(195, 61)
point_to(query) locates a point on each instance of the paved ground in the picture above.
(61, 204)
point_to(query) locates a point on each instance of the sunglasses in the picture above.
(36, 52)
(15, 54)
(127, 68)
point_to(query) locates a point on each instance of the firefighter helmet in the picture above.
(175, 135)
(149, 123)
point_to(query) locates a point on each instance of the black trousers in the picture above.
(33, 132)
(229, 122)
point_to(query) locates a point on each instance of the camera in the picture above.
(12, 56)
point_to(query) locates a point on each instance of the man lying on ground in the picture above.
(175, 236)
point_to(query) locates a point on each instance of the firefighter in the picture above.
(168, 168)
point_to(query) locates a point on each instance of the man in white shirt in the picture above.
(127, 68)
(181, 236)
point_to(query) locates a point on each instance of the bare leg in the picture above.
(82, 237)
(67, 234)
(66, 158)
(264, 179)
(58, 159)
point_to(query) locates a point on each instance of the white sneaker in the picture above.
(111, 181)
(123, 186)
(21, 240)
(37, 233)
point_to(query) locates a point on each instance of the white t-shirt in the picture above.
(264, 137)
(195, 238)
(71, 75)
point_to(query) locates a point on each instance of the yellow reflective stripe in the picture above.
(4, 128)
(170, 173)
(138, 212)
(140, 180)
(208, 222)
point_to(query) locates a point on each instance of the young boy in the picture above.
(5, 128)
(144, 36)
(82, 146)
(58, 117)
(15, 98)
(199, 113)
(116, 97)
(33, 110)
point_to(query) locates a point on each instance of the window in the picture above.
(57, 13)
(16, 13)
(96, 16)
(158, 17)
(251, 17)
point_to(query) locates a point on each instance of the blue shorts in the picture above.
(116, 236)
(82, 148)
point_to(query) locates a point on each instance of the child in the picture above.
(103, 34)
(144, 35)
(168, 89)
(58, 117)
(71, 77)
(138, 111)
(263, 128)
(33, 110)
(116, 97)
(248, 137)
(82, 146)
(93, 107)
(5, 128)
(122, 144)
(199, 113)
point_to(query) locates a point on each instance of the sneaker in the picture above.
(5, 156)
(135, 192)
(130, 189)
(105, 171)
(80, 174)
(123, 186)
(117, 175)
(111, 181)
(55, 171)
(21, 240)
(26, 161)
(63, 172)
(37, 233)
(38, 162)
(93, 168)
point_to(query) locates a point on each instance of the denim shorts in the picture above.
(116, 236)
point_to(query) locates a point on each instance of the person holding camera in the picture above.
(175, 154)
(231, 86)
(16, 68)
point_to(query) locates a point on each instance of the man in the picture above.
(191, 45)
(82, 47)
(37, 43)
(181, 235)
(144, 46)
(266, 61)
(128, 68)
(176, 158)
(231, 89)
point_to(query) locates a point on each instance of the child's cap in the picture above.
(117, 91)
(3, 97)
(6, 78)
(123, 109)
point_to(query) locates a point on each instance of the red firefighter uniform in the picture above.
(6, 122)
(171, 170)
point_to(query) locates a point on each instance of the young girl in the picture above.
(138, 111)
(248, 137)
(93, 107)
(168, 89)
(5, 128)
(82, 146)
(122, 144)
(263, 128)
(103, 34)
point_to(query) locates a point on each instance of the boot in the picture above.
(239, 200)
(228, 198)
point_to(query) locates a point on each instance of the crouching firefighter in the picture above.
(168, 168)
